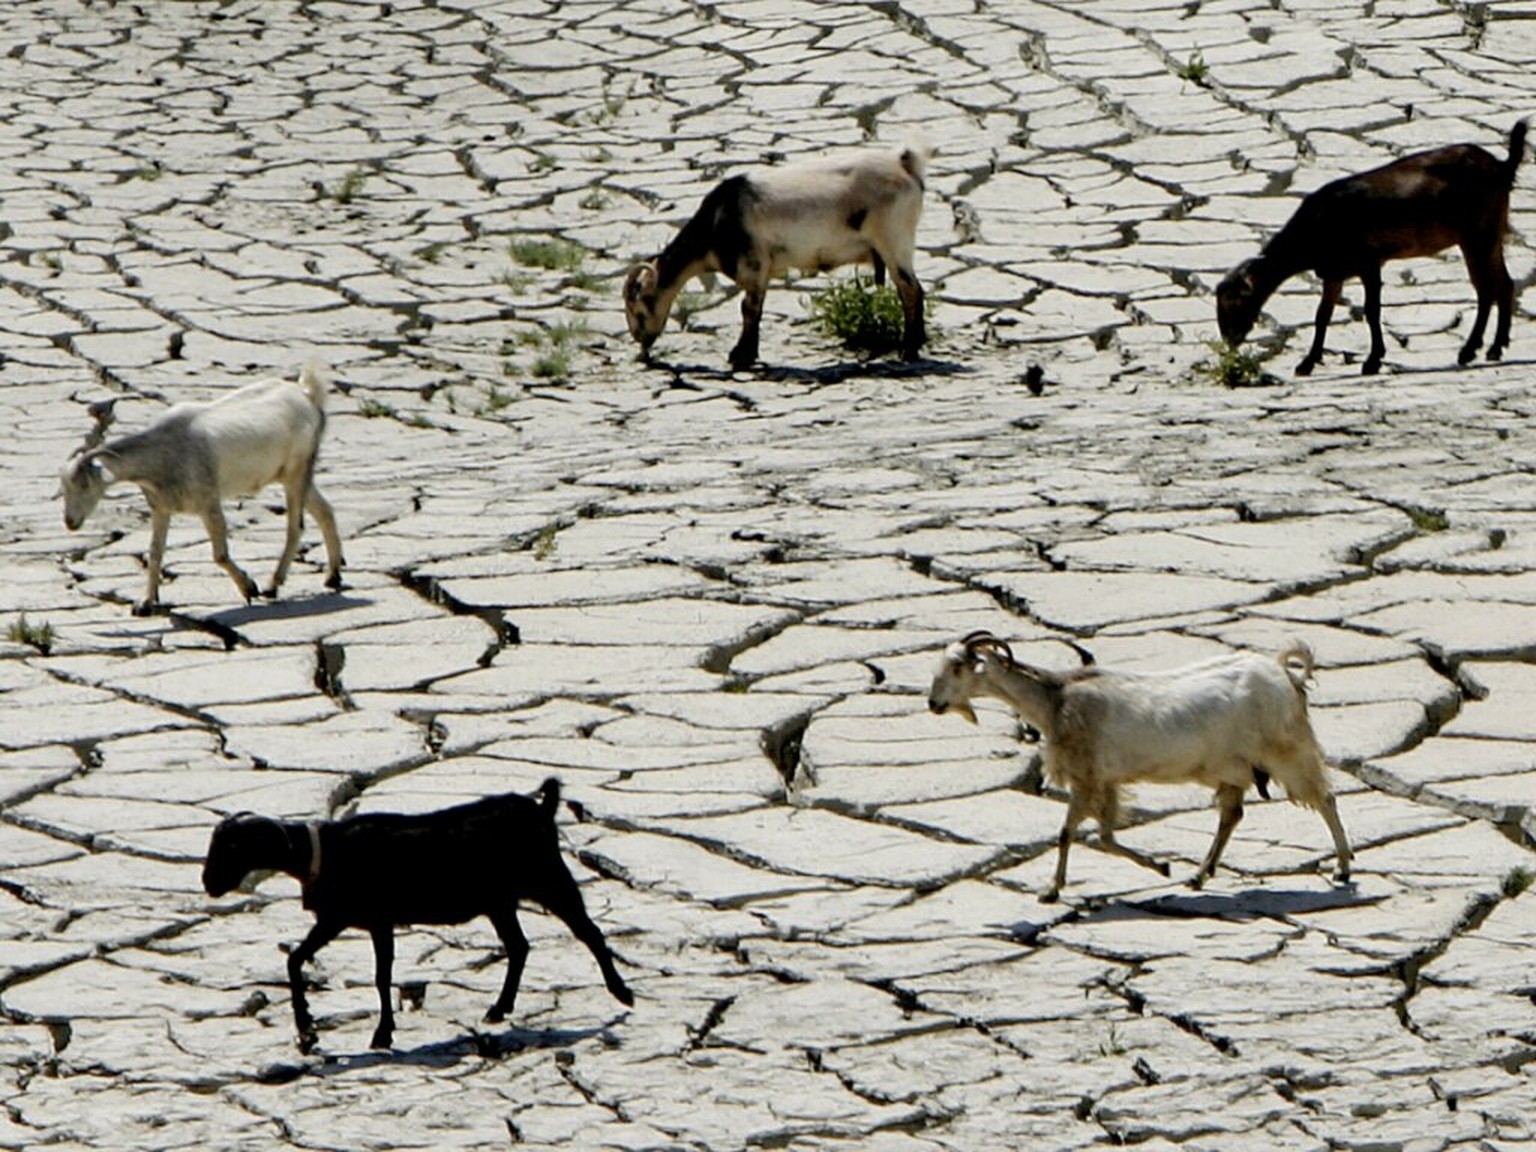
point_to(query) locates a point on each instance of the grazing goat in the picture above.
(196, 455)
(378, 871)
(1225, 723)
(813, 215)
(1416, 206)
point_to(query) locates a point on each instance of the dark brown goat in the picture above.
(1416, 206)
(380, 870)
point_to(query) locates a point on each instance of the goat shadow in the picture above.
(296, 608)
(685, 375)
(438, 1055)
(1237, 907)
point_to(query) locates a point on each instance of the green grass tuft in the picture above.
(1231, 367)
(862, 317)
(39, 636)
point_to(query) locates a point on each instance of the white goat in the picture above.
(197, 454)
(1225, 723)
(860, 207)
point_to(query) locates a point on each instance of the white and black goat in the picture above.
(196, 455)
(1226, 723)
(1416, 206)
(812, 215)
(382, 870)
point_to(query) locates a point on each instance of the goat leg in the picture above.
(159, 526)
(744, 355)
(218, 538)
(320, 508)
(1330, 811)
(913, 331)
(1370, 279)
(516, 944)
(383, 965)
(1230, 800)
(564, 900)
(1331, 290)
(1063, 842)
(319, 936)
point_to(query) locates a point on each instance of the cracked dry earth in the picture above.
(711, 603)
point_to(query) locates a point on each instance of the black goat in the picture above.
(380, 870)
(1416, 206)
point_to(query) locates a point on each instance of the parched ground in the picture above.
(711, 602)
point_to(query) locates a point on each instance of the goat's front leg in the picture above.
(383, 965)
(159, 527)
(319, 936)
(1370, 280)
(1331, 290)
(1229, 799)
(516, 944)
(1075, 808)
(744, 355)
(218, 538)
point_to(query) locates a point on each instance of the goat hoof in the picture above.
(145, 608)
(1305, 367)
(622, 994)
(307, 1041)
(494, 1016)
(1370, 368)
(333, 581)
(1050, 896)
(382, 1039)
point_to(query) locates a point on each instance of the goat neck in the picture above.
(1034, 693)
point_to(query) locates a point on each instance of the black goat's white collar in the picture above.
(314, 851)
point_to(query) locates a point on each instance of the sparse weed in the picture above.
(1194, 69)
(543, 163)
(370, 409)
(431, 253)
(1518, 880)
(552, 255)
(553, 365)
(864, 318)
(351, 184)
(1231, 367)
(594, 201)
(39, 636)
(544, 543)
(1427, 519)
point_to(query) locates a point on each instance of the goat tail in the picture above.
(1298, 664)
(549, 797)
(1516, 150)
(312, 378)
(914, 158)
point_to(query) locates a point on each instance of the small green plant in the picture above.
(496, 399)
(148, 170)
(1111, 1045)
(1518, 880)
(544, 543)
(543, 163)
(517, 282)
(553, 365)
(594, 201)
(432, 253)
(370, 409)
(1231, 367)
(1194, 69)
(1427, 519)
(552, 255)
(351, 184)
(864, 318)
(39, 636)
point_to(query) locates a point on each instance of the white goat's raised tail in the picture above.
(196, 455)
(1227, 723)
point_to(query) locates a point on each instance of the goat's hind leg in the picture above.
(1330, 811)
(320, 508)
(563, 899)
(218, 539)
(516, 944)
(383, 966)
(1109, 819)
(1230, 800)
